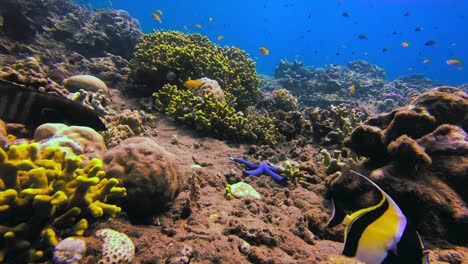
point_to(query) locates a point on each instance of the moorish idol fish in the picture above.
(380, 233)
(20, 104)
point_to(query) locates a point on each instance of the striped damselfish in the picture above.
(20, 104)
(379, 233)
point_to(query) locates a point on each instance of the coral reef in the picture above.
(149, 174)
(116, 248)
(193, 56)
(323, 87)
(46, 194)
(293, 125)
(332, 124)
(418, 154)
(278, 99)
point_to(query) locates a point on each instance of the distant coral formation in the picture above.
(323, 87)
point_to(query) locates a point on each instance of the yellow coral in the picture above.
(43, 192)
(193, 56)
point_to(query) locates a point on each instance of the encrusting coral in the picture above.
(46, 194)
(116, 248)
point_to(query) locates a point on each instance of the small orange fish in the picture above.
(454, 62)
(405, 44)
(159, 12)
(197, 25)
(264, 51)
(220, 37)
(426, 61)
(192, 84)
(156, 17)
(352, 89)
(237, 50)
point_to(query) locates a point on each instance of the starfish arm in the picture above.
(275, 169)
(246, 163)
(257, 172)
(275, 176)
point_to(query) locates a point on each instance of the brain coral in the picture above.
(193, 56)
(117, 248)
(419, 155)
(148, 172)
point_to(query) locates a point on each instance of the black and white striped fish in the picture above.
(20, 104)
(379, 233)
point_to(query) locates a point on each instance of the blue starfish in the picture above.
(262, 168)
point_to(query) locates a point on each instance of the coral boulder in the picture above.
(149, 173)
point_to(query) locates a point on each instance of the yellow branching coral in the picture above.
(218, 118)
(46, 194)
(193, 56)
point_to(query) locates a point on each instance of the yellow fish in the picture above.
(220, 37)
(405, 44)
(264, 51)
(454, 62)
(352, 89)
(192, 84)
(197, 25)
(156, 17)
(379, 233)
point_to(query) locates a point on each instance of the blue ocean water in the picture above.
(324, 32)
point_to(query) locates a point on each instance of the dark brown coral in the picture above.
(422, 162)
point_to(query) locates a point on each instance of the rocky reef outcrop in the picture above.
(68, 38)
